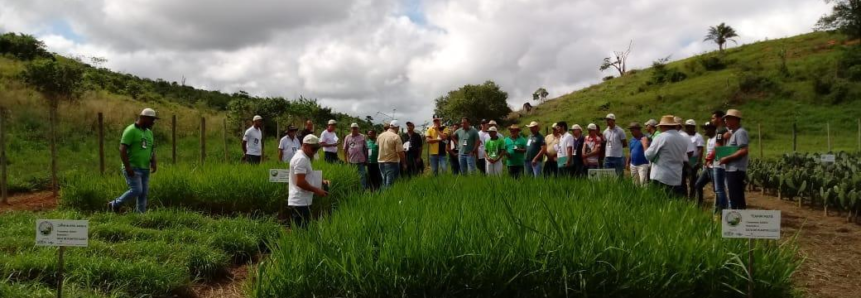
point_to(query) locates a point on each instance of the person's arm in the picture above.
(431, 140)
(124, 156)
(738, 154)
(421, 149)
(538, 158)
(476, 145)
(569, 150)
(645, 142)
(153, 163)
(302, 183)
(624, 139)
(700, 155)
(244, 147)
(652, 152)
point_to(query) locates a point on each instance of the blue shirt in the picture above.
(638, 156)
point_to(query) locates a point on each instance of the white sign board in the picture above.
(828, 158)
(751, 224)
(279, 176)
(51, 232)
(602, 173)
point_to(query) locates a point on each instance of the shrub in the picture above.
(711, 62)
(607, 78)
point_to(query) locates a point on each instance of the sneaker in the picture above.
(112, 208)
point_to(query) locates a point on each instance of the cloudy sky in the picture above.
(367, 56)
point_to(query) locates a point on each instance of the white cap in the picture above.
(576, 127)
(610, 116)
(651, 122)
(148, 113)
(492, 128)
(691, 122)
(491, 122)
(311, 140)
(333, 122)
(592, 126)
(532, 124)
(256, 117)
(354, 125)
(394, 123)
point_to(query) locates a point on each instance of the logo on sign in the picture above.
(45, 228)
(733, 218)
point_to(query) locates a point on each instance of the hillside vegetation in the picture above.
(818, 85)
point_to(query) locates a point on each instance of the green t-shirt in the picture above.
(533, 145)
(494, 147)
(139, 143)
(373, 151)
(515, 158)
(466, 139)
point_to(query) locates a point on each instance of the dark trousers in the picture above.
(692, 180)
(480, 164)
(735, 189)
(515, 171)
(686, 170)
(675, 191)
(703, 180)
(454, 163)
(551, 168)
(415, 167)
(375, 178)
(330, 157)
(577, 168)
(252, 159)
(300, 216)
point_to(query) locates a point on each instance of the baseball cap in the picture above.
(492, 128)
(292, 128)
(148, 113)
(651, 122)
(256, 117)
(311, 140)
(576, 127)
(333, 122)
(610, 116)
(354, 125)
(690, 122)
(592, 126)
(395, 123)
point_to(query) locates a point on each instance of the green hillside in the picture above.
(819, 85)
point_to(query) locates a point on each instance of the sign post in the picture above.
(62, 233)
(751, 224)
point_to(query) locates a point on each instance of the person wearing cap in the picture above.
(392, 158)
(696, 160)
(564, 149)
(300, 194)
(616, 142)
(639, 165)
(468, 142)
(494, 149)
(707, 174)
(252, 141)
(686, 170)
(415, 165)
(137, 153)
(375, 178)
(289, 145)
(668, 154)
(436, 138)
(551, 141)
(483, 135)
(535, 148)
(736, 163)
(592, 148)
(515, 151)
(651, 129)
(578, 165)
(451, 149)
(356, 152)
(329, 141)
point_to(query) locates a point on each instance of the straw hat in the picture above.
(576, 127)
(733, 113)
(532, 124)
(492, 128)
(514, 127)
(668, 120)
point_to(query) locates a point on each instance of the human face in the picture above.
(492, 134)
(484, 126)
(146, 122)
(309, 125)
(593, 132)
(331, 127)
(690, 129)
(372, 135)
(577, 133)
(636, 132)
(291, 133)
(717, 121)
(258, 123)
(464, 123)
(436, 123)
(354, 130)
(611, 123)
(732, 122)
(514, 132)
(534, 129)
(411, 128)
(310, 150)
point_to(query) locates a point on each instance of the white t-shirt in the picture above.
(483, 136)
(252, 138)
(289, 147)
(614, 138)
(300, 164)
(711, 146)
(697, 141)
(566, 142)
(328, 138)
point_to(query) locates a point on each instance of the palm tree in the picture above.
(720, 35)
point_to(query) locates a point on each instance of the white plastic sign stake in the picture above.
(751, 224)
(51, 232)
(828, 158)
(597, 174)
(279, 176)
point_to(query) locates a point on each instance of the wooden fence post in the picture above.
(55, 184)
(859, 135)
(759, 134)
(4, 193)
(101, 143)
(202, 139)
(828, 129)
(794, 137)
(226, 155)
(173, 137)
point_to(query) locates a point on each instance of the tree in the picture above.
(618, 61)
(22, 46)
(57, 80)
(540, 94)
(485, 101)
(720, 34)
(845, 17)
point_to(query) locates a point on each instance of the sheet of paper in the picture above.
(315, 179)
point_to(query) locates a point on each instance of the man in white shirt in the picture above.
(301, 192)
(667, 153)
(565, 150)
(329, 141)
(616, 142)
(483, 136)
(289, 145)
(696, 161)
(252, 142)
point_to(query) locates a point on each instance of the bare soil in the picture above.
(228, 287)
(36, 201)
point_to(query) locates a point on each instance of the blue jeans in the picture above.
(437, 162)
(534, 171)
(719, 182)
(390, 171)
(467, 164)
(617, 163)
(138, 188)
(362, 176)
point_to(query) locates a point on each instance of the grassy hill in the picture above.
(817, 87)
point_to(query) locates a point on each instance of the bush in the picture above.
(711, 62)
(751, 82)
(607, 78)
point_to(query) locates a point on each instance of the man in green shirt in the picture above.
(515, 150)
(375, 177)
(138, 157)
(467, 141)
(494, 149)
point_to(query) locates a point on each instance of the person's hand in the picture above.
(326, 182)
(534, 163)
(130, 172)
(724, 160)
(243, 158)
(321, 193)
(153, 168)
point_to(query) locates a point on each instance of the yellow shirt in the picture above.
(390, 145)
(433, 134)
(551, 142)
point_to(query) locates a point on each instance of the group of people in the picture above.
(670, 154)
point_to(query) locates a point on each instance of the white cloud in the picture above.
(365, 56)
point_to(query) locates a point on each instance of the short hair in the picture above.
(410, 123)
(370, 131)
(719, 113)
(563, 125)
(465, 118)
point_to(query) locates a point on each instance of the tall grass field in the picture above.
(484, 237)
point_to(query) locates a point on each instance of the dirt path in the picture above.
(37, 201)
(229, 287)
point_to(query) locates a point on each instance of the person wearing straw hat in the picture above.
(300, 194)
(252, 141)
(392, 158)
(535, 148)
(494, 149)
(637, 161)
(436, 138)
(592, 148)
(356, 152)
(289, 145)
(668, 153)
(515, 151)
(617, 141)
(690, 153)
(551, 141)
(468, 142)
(736, 163)
(137, 153)
(329, 141)
(696, 161)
